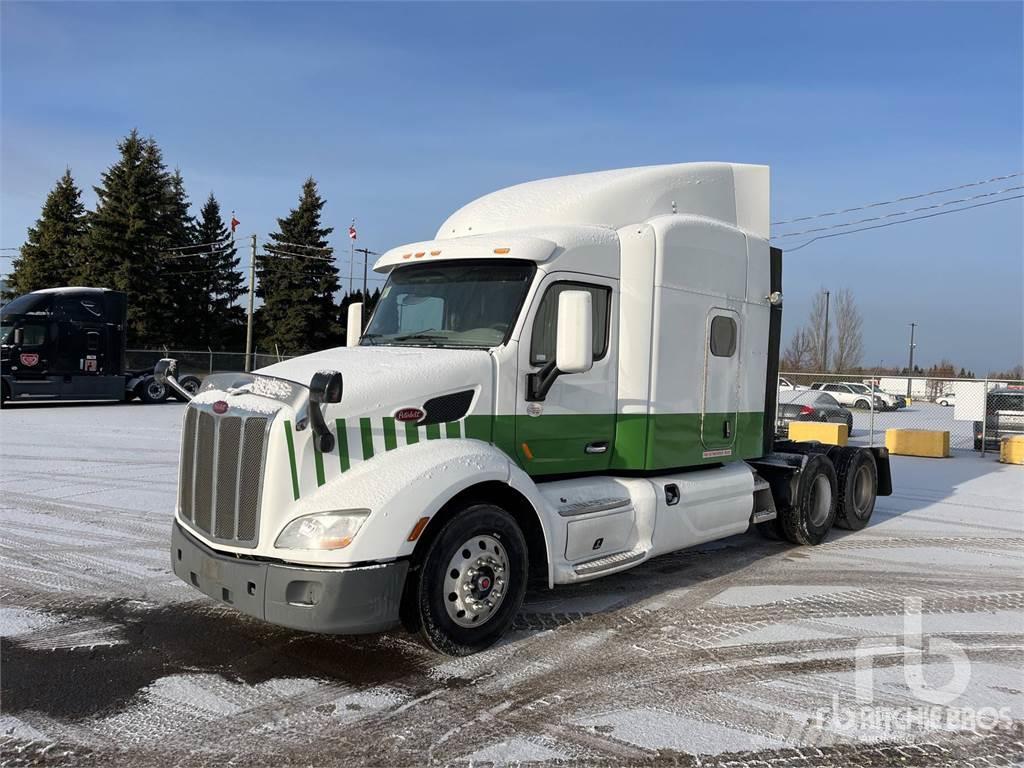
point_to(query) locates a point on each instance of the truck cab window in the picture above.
(723, 336)
(545, 324)
(34, 335)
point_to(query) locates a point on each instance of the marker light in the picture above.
(324, 530)
(501, 251)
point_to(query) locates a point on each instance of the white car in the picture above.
(785, 385)
(947, 399)
(855, 395)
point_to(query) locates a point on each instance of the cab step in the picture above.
(609, 562)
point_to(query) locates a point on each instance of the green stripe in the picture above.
(342, 444)
(390, 439)
(318, 459)
(291, 458)
(412, 433)
(366, 435)
(433, 431)
(451, 429)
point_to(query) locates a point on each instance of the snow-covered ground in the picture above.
(744, 652)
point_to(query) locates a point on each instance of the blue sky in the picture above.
(404, 112)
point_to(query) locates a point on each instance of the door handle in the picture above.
(599, 447)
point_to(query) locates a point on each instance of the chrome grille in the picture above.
(221, 475)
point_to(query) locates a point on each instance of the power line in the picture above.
(200, 245)
(898, 199)
(899, 213)
(281, 253)
(903, 221)
(276, 243)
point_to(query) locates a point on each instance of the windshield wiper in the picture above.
(425, 335)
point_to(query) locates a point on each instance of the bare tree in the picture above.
(817, 334)
(849, 339)
(800, 354)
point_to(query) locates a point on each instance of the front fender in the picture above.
(398, 487)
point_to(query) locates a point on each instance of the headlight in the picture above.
(324, 530)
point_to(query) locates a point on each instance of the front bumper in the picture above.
(343, 601)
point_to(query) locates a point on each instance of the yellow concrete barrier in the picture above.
(917, 442)
(1011, 450)
(833, 434)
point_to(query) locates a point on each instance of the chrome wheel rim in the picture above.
(475, 582)
(155, 390)
(821, 500)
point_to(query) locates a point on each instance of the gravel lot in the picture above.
(741, 653)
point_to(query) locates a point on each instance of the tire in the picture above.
(152, 391)
(944, 403)
(857, 474)
(862, 404)
(849, 425)
(5, 394)
(810, 515)
(190, 384)
(497, 559)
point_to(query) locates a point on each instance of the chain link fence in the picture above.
(977, 413)
(198, 362)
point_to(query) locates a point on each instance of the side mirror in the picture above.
(324, 387)
(166, 373)
(574, 346)
(354, 324)
(19, 336)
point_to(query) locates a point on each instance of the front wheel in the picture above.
(472, 581)
(862, 404)
(943, 403)
(190, 384)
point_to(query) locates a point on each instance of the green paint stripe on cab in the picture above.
(366, 437)
(452, 429)
(291, 458)
(318, 460)
(433, 431)
(343, 460)
(390, 438)
(412, 433)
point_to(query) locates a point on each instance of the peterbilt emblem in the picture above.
(29, 358)
(220, 407)
(409, 414)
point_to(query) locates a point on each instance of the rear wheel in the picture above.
(857, 474)
(472, 581)
(862, 404)
(152, 391)
(809, 516)
(849, 424)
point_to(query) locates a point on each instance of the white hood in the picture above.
(377, 378)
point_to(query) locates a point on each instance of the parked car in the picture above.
(947, 399)
(854, 395)
(785, 385)
(808, 405)
(1004, 417)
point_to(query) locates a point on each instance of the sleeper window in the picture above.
(542, 345)
(723, 336)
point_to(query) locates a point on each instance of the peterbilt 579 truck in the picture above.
(574, 376)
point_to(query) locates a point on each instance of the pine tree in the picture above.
(297, 282)
(181, 269)
(51, 256)
(128, 235)
(218, 320)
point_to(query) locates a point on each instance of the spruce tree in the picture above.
(51, 256)
(297, 282)
(128, 237)
(218, 320)
(182, 269)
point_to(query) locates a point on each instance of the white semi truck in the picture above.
(574, 376)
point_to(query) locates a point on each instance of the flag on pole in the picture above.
(234, 222)
(352, 230)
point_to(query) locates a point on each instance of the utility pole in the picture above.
(910, 364)
(252, 292)
(351, 261)
(824, 352)
(367, 253)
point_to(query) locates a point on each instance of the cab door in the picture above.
(573, 428)
(721, 381)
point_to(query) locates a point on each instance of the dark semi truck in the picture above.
(69, 344)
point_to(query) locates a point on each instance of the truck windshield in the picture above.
(470, 304)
